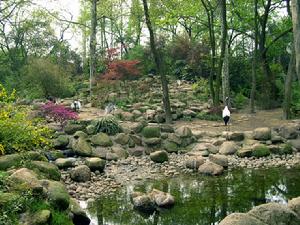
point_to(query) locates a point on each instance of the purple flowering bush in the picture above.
(58, 113)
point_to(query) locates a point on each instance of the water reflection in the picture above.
(201, 200)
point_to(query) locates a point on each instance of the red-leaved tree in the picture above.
(117, 69)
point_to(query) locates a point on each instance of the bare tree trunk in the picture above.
(223, 48)
(225, 75)
(93, 43)
(84, 50)
(158, 63)
(288, 87)
(296, 30)
(254, 59)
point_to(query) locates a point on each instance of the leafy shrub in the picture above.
(240, 100)
(18, 133)
(108, 125)
(43, 78)
(201, 89)
(58, 113)
(261, 151)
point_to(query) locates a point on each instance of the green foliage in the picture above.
(201, 89)
(18, 133)
(108, 125)
(295, 99)
(209, 116)
(38, 76)
(240, 100)
(261, 151)
(286, 149)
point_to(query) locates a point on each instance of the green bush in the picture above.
(240, 100)
(18, 133)
(261, 151)
(108, 125)
(43, 78)
(201, 89)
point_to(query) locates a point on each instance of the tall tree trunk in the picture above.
(84, 46)
(223, 49)
(288, 87)
(296, 30)
(225, 75)
(158, 63)
(93, 43)
(254, 58)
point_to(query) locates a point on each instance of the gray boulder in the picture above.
(228, 148)
(289, 131)
(101, 139)
(95, 164)
(221, 160)
(159, 156)
(65, 162)
(184, 132)
(122, 139)
(295, 143)
(262, 134)
(81, 173)
(210, 168)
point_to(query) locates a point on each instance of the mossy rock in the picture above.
(61, 141)
(34, 155)
(8, 161)
(71, 128)
(102, 139)
(47, 169)
(159, 156)
(151, 132)
(170, 146)
(8, 198)
(91, 129)
(260, 151)
(95, 164)
(57, 193)
(56, 154)
(82, 147)
(80, 134)
(41, 217)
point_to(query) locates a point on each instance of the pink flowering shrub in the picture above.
(58, 113)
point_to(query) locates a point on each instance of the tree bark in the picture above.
(93, 43)
(158, 63)
(254, 59)
(296, 30)
(288, 87)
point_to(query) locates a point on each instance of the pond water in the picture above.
(200, 200)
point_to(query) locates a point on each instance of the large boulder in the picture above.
(61, 141)
(25, 179)
(210, 168)
(294, 204)
(193, 162)
(151, 132)
(8, 161)
(275, 213)
(101, 139)
(289, 131)
(100, 152)
(81, 173)
(184, 132)
(57, 194)
(159, 156)
(122, 139)
(174, 138)
(206, 147)
(120, 152)
(161, 199)
(262, 134)
(170, 146)
(82, 147)
(95, 164)
(79, 216)
(234, 136)
(221, 160)
(228, 148)
(47, 169)
(65, 162)
(241, 219)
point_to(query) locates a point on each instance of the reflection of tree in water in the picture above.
(203, 200)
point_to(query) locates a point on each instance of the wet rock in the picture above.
(81, 173)
(143, 203)
(159, 156)
(221, 160)
(228, 148)
(79, 215)
(193, 162)
(241, 219)
(275, 213)
(210, 168)
(95, 164)
(262, 134)
(101, 139)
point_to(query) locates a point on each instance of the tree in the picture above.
(93, 43)
(158, 63)
(296, 30)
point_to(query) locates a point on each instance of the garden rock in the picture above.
(260, 150)
(221, 160)
(120, 152)
(262, 134)
(241, 219)
(210, 168)
(184, 132)
(152, 141)
(189, 113)
(110, 156)
(193, 162)
(170, 146)
(275, 213)
(161, 199)
(295, 143)
(143, 203)
(101, 139)
(65, 162)
(8, 161)
(81, 173)
(166, 128)
(228, 148)
(245, 152)
(136, 139)
(95, 164)
(49, 170)
(151, 132)
(159, 156)
(100, 152)
(72, 128)
(137, 151)
(174, 138)
(122, 139)
(61, 141)
(82, 147)
(57, 194)
(234, 136)
(79, 216)
(294, 204)
(289, 131)
(91, 129)
(80, 134)
(39, 218)
(25, 178)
